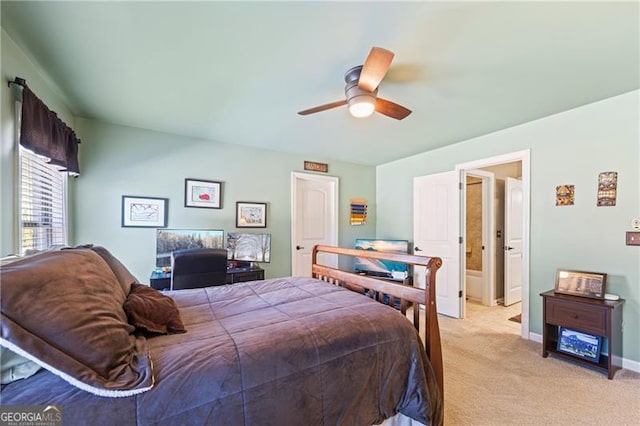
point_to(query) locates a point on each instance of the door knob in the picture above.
(299, 248)
(508, 248)
(417, 249)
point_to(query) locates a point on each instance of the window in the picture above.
(43, 194)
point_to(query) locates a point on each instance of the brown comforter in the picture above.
(290, 351)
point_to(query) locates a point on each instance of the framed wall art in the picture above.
(565, 195)
(582, 345)
(206, 194)
(144, 212)
(607, 188)
(580, 283)
(358, 211)
(251, 215)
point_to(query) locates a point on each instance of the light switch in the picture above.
(633, 238)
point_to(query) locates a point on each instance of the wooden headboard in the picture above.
(378, 289)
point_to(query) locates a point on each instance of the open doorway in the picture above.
(495, 258)
(491, 281)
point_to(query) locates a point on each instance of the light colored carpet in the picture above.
(494, 377)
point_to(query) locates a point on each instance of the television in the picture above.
(169, 240)
(249, 247)
(382, 268)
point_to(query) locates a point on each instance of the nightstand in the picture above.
(594, 316)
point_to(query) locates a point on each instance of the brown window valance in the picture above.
(45, 134)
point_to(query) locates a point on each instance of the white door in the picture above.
(513, 241)
(436, 232)
(314, 219)
(488, 232)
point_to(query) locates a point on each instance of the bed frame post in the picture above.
(433, 343)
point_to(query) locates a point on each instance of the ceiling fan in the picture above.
(362, 88)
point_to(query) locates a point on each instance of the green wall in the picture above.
(16, 64)
(119, 160)
(568, 148)
(116, 161)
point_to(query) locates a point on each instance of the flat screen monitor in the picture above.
(169, 240)
(249, 247)
(382, 268)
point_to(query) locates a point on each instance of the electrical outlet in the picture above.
(633, 238)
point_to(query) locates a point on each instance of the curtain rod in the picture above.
(18, 80)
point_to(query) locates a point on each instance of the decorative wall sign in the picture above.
(316, 167)
(358, 211)
(144, 212)
(202, 193)
(565, 195)
(607, 188)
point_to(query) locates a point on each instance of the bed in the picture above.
(284, 351)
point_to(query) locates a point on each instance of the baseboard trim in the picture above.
(535, 337)
(627, 364)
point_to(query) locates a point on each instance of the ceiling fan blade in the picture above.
(323, 107)
(391, 109)
(375, 68)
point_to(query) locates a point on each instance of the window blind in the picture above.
(43, 190)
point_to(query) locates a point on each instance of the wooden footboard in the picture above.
(390, 292)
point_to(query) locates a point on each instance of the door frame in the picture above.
(525, 158)
(295, 178)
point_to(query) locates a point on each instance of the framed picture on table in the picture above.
(581, 283)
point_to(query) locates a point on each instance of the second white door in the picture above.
(314, 213)
(513, 241)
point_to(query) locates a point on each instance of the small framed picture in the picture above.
(581, 283)
(144, 212)
(251, 215)
(206, 194)
(582, 345)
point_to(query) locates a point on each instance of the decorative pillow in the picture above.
(64, 310)
(15, 367)
(152, 312)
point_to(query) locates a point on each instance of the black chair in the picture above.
(201, 267)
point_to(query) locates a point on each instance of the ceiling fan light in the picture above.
(362, 106)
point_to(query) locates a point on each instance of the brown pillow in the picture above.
(125, 278)
(63, 310)
(152, 312)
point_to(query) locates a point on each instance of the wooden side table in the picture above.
(593, 316)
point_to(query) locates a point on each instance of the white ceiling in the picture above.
(237, 72)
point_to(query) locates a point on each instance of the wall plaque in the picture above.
(316, 167)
